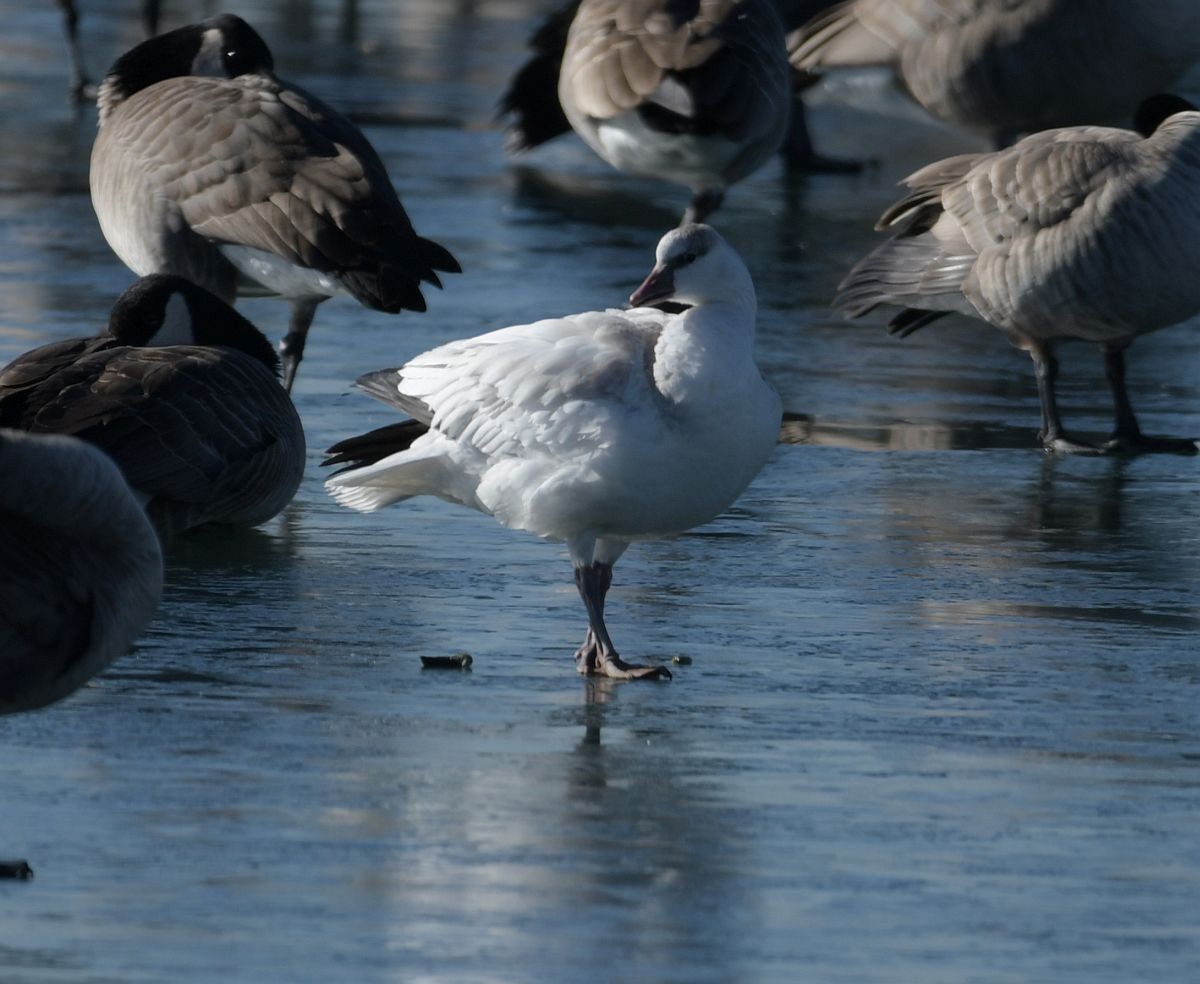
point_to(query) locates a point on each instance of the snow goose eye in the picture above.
(689, 257)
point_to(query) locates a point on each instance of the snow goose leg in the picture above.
(1128, 435)
(291, 348)
(598, 656)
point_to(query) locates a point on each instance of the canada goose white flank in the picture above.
(596, 429)
(1087, 233)
(208, 165)
(693, 92)
(183, 393)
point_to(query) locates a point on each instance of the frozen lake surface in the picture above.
(942, 722)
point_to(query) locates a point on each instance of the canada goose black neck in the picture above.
(222, 46)
(164, 309)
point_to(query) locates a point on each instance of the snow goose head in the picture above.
(695, 266)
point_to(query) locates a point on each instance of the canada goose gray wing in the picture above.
(80, 567)
(1005, 67)
(251, 162)
(686, 68)
(980, 232)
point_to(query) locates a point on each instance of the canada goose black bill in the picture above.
(208, 165)
(183, 393)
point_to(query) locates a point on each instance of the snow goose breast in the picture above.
(1003, 68)
(1087, 233)
(246, 184)
(597, 429)
(183, 393)
(692, 92)
(80, 567)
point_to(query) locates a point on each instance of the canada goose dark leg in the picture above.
(150, 11)
(1128, 435)
(704, 203)
(799, 155)
(598, 656)
(1052, 436)
(291, 349)
(81, 87)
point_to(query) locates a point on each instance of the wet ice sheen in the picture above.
(940, 723)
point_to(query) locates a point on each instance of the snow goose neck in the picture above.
(596, 429)
(1003, 68)
(1083, 232)
(690, 92)
(246, 184)
(183, 393)
(80, 567)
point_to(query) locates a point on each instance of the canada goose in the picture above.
(1006, 67)
(183, 393)
(80, 567)
(691, 92)
(597, 429)
(246, 184)
(1083, 232)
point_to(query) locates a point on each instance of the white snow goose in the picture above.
(208, 165)
(596, 429)
(183, 393)
(1087, 233)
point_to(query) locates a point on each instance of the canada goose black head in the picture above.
(224, 46)
(164, 309)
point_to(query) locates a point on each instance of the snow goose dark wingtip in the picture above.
(179, 127)
(533, 424)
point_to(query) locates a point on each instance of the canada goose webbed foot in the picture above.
(1141, 444)
(703, 204)
(1059, 443)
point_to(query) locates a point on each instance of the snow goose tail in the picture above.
(1002, 68)
(1087, 233)
(208, 165)
(596, 429)
(183, 393)
(693, 93)
(80, 567)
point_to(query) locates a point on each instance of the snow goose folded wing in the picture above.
(80, 567)
(1082, 232)
(183, 393)
(597, 429)
(690, 92)
(1003, 68)
(206, 164)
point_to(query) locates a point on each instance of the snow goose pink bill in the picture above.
(595, 429)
